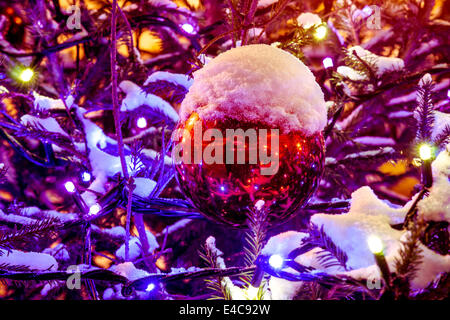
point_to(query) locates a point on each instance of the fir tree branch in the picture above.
(217, 284)
(443, 138)
(332, 256)
(142, 283)
(39, 228)
(97, 274)
(424, 111)
(410, 257)
(255, 237)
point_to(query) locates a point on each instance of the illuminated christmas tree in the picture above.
(239, 149)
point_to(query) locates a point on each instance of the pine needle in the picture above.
(39, 228)
(217, 285)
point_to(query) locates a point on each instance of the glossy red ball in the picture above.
(224, 192)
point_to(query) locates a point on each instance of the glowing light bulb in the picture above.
(276, 261)
(327, 63)
(70, 187)
(321, 32)
(375, 244)
(26, 75)
(150, 287)
(425, 152)
(86, 176)
(95, 209)
(189, 28)
(141, 123)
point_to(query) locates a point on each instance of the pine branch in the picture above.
(424, 110)
(443, 138)
(6, 267)
(409, 259)
(37, 131)
(367, 67)
(216, 285)
(332, 256)
(299, 38)
(174, 93)
(96, 274)
(39, 228)
(315, 291)
(255, 237)
(382, 154)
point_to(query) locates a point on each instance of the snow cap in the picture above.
(258, 83)
(308, 20)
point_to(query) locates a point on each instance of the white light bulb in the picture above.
(95, 209)
(189, 28)
(86, 176)
(150, 287)
(70, 187)
(321, 32)
(327, 63)
(425, 152)
(276, 261)
(375, 244)
(141, 123)
(26, 75)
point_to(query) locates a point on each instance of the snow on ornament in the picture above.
(250, 130)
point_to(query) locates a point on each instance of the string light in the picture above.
(425, 152)
(376, 247)
(23, 74)
(26, 75)
(86, 176)
(327, 63)
(150, 287)
(70, 187)
(321, 32)
(189, 28)
(375, 244)
(141, 123)
(94, 209)
(276, 261)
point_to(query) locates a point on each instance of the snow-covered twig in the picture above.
(116, 113)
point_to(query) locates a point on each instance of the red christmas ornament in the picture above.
(225, 192)
(250, 130)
